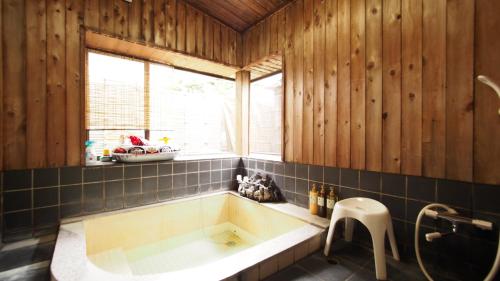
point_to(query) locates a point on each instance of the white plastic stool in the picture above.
(375, 216)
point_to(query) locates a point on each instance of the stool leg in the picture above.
(378, 239)
(392, 240)
(349, 228)
(329, 237)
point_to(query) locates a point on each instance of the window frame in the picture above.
(147, 130)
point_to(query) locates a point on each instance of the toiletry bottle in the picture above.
(330, 202)
(322, 202)
(313, 200)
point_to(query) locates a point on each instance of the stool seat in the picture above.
(375, 216)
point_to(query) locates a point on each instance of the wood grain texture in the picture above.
(411, 89)
(199, 34)
(14, 71)
(134, 21)
(298, 78)
(308, 107)
(120, 18)
(148, 21)
(391, 102)
(331, 83)
(1, 87)
(36, 94)
(106, 23)
(181, 26)
(92, 14)
(358, 70)
(191, 30)
(224, 39)
(73, 68)
(459, 90)
(56, 83)
(288, 99)
(344, 85)
(486, 119)
(217, 41)
(374, 85)
(170, 23)
(159, 22)
(319, 82)
(434, 88)
(208, 42)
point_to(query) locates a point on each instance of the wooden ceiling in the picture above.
(239, 14)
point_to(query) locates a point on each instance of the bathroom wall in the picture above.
(35, 201)
(470, 252)
(42, 65)
(388, 85)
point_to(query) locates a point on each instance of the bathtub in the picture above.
(210, 237)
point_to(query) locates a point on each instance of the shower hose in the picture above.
(496, 263)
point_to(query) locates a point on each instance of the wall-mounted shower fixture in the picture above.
(486, 80)
(440, 211)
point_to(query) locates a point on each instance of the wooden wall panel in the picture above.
(411, 89)
(289, 66)
(459, 90)
(298, 75)
(120, 18)
(391, 83)
(374, 85)
(42, 57)
(319, 82)
(36, 94)
(344, 85)
(395, 92)
(358, 84)
(331, 83)
(433, 88)
(14, 100)
(217, 41)
(199, 34)
(170, 23)
(159, 22)
(190, 30)
(486, 119)
(208, 42)
(73, 68)
(56, 83)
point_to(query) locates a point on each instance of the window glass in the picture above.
(265, 115)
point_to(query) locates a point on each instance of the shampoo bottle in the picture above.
(322, 202)
(330, 202)
(313, 200)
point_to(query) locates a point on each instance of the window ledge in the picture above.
(270, 157)
(179, 158)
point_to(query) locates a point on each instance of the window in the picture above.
(131, 97)
(265, 115)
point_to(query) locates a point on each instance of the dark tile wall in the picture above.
(34, 201)
(472, 250)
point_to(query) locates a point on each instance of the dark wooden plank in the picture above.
(460, 88)
(170, 23)
(159, 22)
(36, 79)
(344, 85)
(217, 41)
(134, 21)
(181, 26)
(190, 30)
(434, 88)
(319, 82)
(56, 83)
(148, 21)
(486, 121)
(331, 83)
(73, 76)
(308, 107)
(208, 41)
(106, 16)
(92, 14)
(411, 89)
(288, 108)
(391, 83)
(120, 18)
(298, 77)
(374, 85)
(199, 33)
(358, 70)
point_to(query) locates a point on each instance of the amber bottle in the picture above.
(313, 200)
(322, 202)
(330, 202)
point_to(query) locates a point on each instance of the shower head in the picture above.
(486, 80)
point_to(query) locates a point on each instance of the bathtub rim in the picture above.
(70, 261)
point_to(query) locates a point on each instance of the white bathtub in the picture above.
(210, 237)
